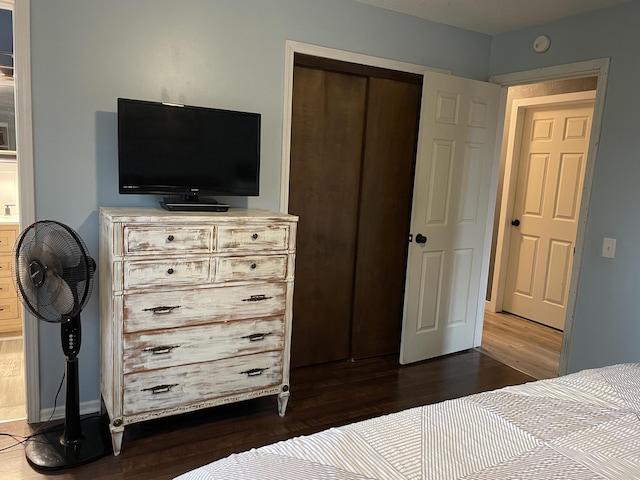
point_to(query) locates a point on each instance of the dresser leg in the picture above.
(116, 439)
(283, 399)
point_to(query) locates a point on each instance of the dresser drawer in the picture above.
(249, 238)
(188, 384)
(167, 239)
(7, 289)
(202, 343)
(5, 266)
(8, 308)
(171, 271)
(8, 237)
(177, 308)
(258, 267)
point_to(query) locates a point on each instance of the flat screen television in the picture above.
(188, 154)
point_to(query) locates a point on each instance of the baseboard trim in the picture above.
(86, 408)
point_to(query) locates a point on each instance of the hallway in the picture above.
(12, 398)
(522, 344)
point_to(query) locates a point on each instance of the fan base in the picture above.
(46, 452)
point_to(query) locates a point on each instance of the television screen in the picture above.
(185, 150)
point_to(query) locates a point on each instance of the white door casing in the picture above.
(24, 139)
(551, 166)
(450, 207)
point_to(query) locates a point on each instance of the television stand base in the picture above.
(181, 205)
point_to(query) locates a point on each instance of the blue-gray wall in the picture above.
(6, 37)
(230, 54)
(606, 329)
(222, 53)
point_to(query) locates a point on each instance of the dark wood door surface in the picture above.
(353, 140)
(326, 151)
(386, 191)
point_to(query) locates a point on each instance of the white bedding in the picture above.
(579, 426)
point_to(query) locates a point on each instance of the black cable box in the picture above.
(194, 207)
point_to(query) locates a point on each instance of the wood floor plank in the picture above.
(12, 394)
(322, 396)
(525, 345)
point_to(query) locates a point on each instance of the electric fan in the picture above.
(53, 273)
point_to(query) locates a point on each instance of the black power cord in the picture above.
(19, 439)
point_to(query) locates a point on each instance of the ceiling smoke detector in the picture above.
(541, 44)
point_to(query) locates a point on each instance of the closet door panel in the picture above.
(386, 192)
(326, 151)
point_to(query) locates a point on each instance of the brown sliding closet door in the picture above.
(384, 217)
(326, 150)
(353, 141)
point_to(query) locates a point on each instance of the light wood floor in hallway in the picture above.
(12, 397)
(522, 344)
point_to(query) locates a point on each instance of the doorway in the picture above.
(12, 368)
(502, 277)
(353, 145)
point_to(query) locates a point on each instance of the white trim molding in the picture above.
(7, 4)
(589, 68)
(24, 137)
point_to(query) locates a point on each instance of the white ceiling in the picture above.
(493, 16)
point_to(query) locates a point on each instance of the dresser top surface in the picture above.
(144, 215)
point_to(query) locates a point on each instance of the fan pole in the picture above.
(72, 429)
(58, 448)
(70, 333)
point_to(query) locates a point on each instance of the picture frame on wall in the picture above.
(4, 136)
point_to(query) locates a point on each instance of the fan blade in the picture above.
(61, 294)
(52, 282)
(67, 256)
(46, 257)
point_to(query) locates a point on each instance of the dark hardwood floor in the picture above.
(322, 396)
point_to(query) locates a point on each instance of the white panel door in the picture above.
(450, 205)
(553, 153)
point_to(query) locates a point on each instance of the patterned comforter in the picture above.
(584, 425)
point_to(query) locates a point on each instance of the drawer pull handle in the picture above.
(170, 238)
(256, 337)
(160, 388)
(253, 266)
(254, 372)
(254, 236)
(162, 350)
(256, 298)
(161, 310)
(170, 271)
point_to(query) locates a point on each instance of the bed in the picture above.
(580, 426)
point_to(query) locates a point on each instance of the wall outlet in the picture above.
(609, 247)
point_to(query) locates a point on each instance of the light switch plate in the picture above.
(609, 247)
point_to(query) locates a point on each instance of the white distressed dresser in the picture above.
(195, 310)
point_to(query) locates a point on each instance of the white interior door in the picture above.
(551, 166)
(450, 206)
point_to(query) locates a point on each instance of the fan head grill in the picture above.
(53, 271)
